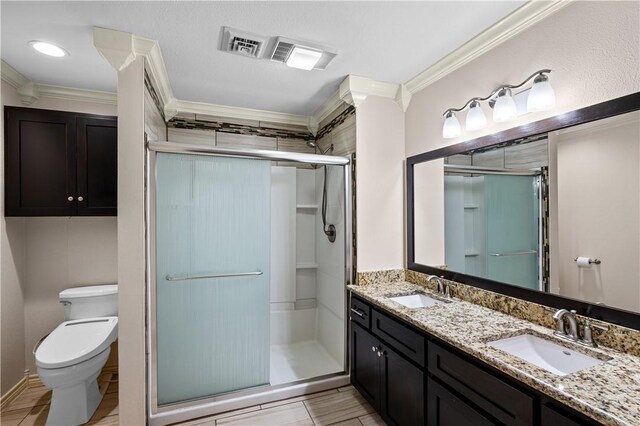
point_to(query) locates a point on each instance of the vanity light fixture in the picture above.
(541, 97)
(475, 117)
(451, 127)
(48, 49)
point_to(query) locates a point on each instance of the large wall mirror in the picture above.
(548, 212)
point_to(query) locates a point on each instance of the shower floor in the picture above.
(300, 360)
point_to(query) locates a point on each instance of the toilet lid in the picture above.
(75, 341)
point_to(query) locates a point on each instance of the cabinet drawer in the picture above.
(508, 404)
(399, 336)
(447, 409)
(360, 312)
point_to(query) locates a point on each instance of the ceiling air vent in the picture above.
(243, 43)
(282, 50)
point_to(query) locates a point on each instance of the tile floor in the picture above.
(344, 406)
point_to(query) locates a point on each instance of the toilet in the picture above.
(70, 359)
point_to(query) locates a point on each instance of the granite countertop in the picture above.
(608, 393)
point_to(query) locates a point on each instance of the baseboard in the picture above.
(34, 381)
(13, 393)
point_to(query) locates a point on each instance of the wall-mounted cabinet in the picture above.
(60, 163)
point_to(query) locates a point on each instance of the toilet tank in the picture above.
(90, 301)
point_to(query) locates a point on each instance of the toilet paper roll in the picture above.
(583, 262)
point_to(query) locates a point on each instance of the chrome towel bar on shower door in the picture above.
(514, 253)
(201, 277)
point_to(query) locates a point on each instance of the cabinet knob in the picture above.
(373, 349)
(380, 353)
(70, 198)
(80, 198)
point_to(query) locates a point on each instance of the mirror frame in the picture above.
(611, 108)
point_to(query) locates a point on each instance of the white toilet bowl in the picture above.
(69, 361)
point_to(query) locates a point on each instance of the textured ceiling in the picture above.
(387, 41)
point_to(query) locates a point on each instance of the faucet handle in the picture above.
(587, 338)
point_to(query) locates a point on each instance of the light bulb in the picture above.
(505, 107)
(475, 117)
(48, 48)
(541, 96)
(451, 127)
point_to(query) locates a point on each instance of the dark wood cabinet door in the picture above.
(402, 390)
(97, 166)
(365, 364)
(444, 408)
(40, 163)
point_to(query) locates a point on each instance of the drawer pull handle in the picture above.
(357, 312)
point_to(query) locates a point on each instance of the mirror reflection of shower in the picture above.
(330, 230)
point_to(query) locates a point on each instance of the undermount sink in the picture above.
(545, 354)
(417, 300)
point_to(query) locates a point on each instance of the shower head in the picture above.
(314, 144)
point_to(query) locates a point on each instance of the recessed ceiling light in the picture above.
(48, 48)
(303, 58)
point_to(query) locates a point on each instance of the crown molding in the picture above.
(11, 76)
(157, 71)
(521, 19)
(244, 113)
(328, 107)
(354, 90)
(29, 91)
(73, 94)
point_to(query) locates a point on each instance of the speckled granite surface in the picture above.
(608, 393)
(387, 276)
(616, 337)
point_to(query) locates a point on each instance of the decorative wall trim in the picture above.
(510, 26)
(341, 118)
(29, 92)
(14, 392)
(240, 129)
(245, 114)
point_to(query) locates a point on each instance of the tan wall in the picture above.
(32, 275)
(593, 49)
(137, 115)
(63, 252)
(379, 184)
(597, 211)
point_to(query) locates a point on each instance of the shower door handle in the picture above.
(202, 277)
(514, 253)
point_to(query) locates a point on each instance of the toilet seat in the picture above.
(73, 342)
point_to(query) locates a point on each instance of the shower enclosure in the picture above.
(246, 295)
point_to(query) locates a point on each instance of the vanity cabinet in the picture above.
(60, 163)
(413, 378)
(391, 383)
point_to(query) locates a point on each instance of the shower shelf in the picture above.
(307, 266)
(307, 206)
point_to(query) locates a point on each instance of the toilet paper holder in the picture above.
(591, 261)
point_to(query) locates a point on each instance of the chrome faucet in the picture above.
(561, 326)
(442, 288)
(570, 316)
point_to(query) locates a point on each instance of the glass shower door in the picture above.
(512, 240)
(212, 275)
